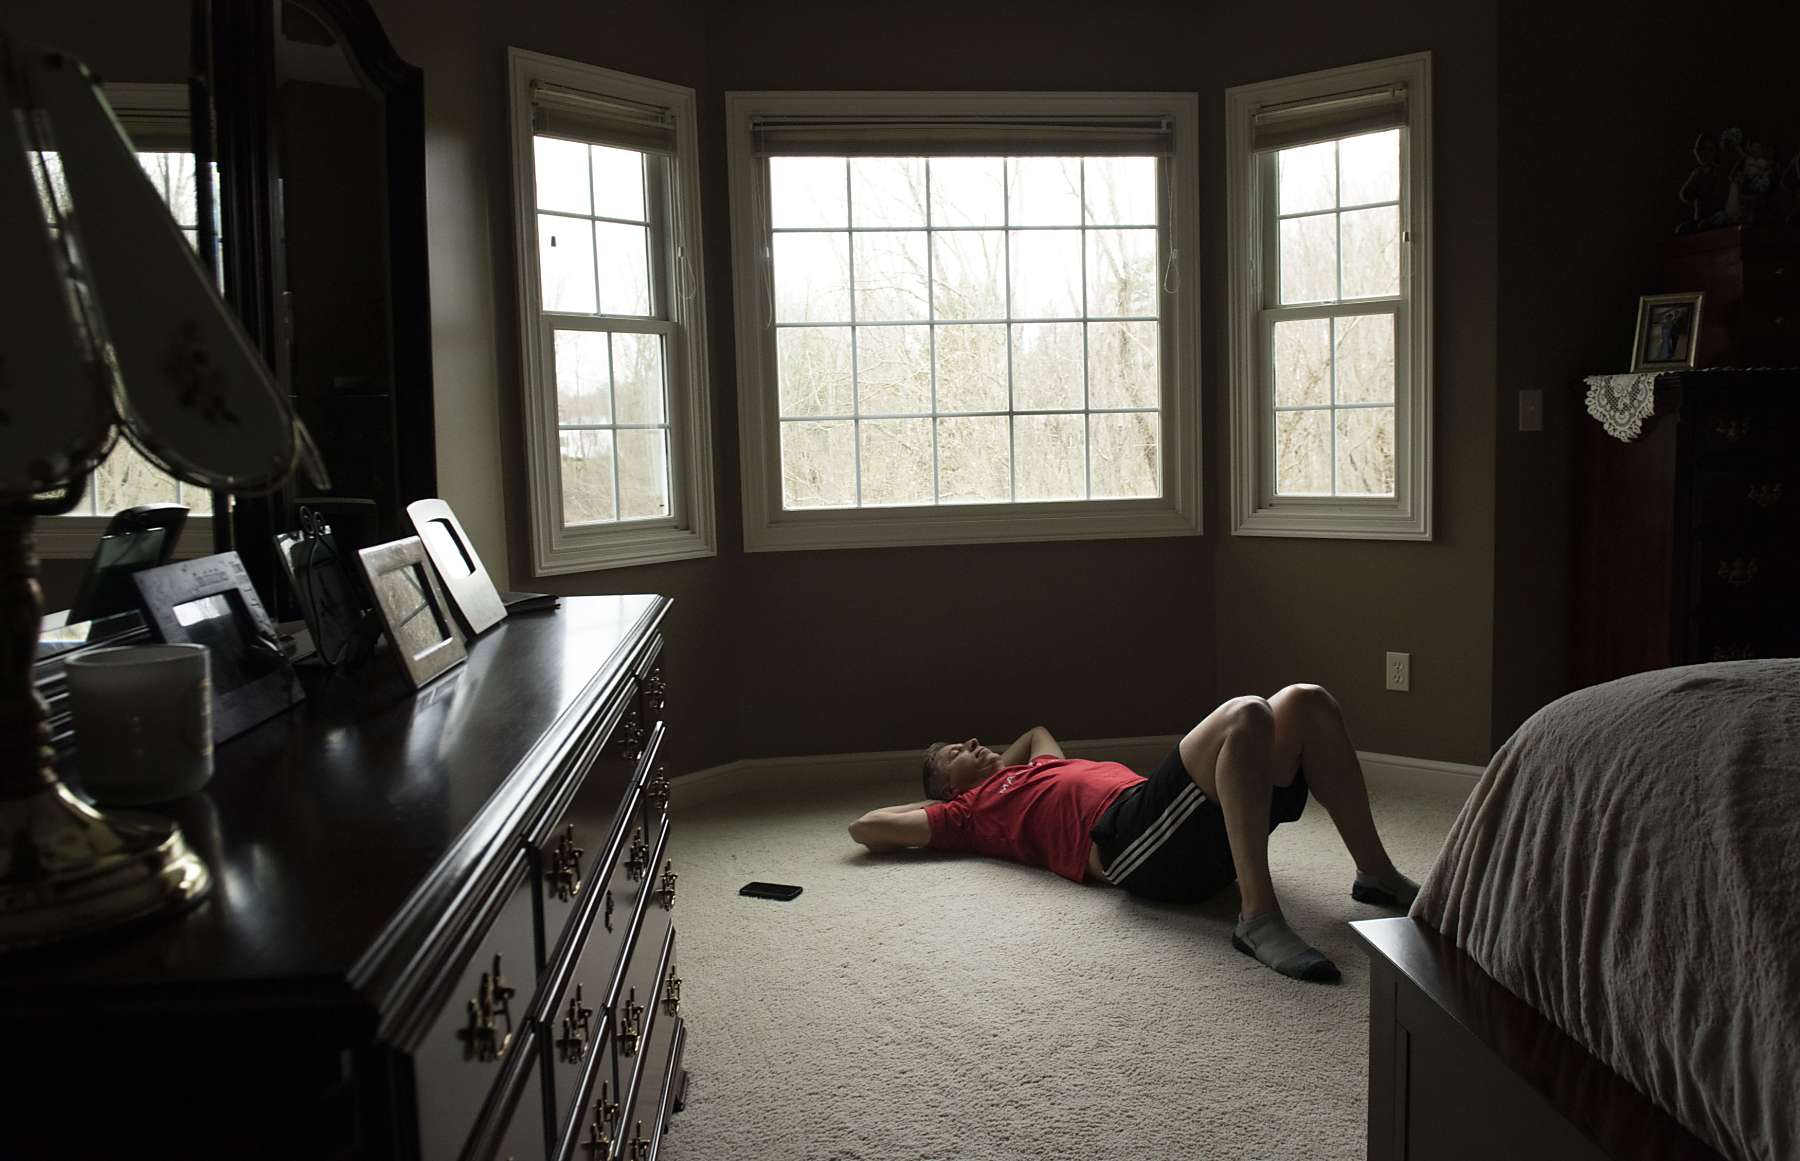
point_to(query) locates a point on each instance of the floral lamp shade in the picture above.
(181, 377)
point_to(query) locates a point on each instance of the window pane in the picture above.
(890, 277)
(638, 380)
(818, 465)
(643, 474)
(968, 279)
(1365, 451)
(812, 277)
(896, 462)
(624, 268)
(173, 176)
(1308, 178)
(971, 368)
(583, 380)
(893, 371)
(1309, 259)
(618, 183)
(1046, 366)
(566, 263)
(974, 460)
(808, 192)
(48, 166)
(968, 191)
(587, 477)
(1303, 453)
(1043, 191)
(1302, 355)
(813, 370)
(562, 175)
(1372, 252)
(1365, 358)
(1369, 167)
(887, 191)
(1120, 191)
(1046, 273)
(1052, 457)
(125, 479)
(1126, 455)
(1121, 273)
(1122, 361)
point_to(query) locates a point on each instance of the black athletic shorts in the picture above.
(1164, 839)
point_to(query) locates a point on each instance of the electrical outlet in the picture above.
(1399, 671)
(1531, 410)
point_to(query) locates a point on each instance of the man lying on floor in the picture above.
(1201, 819)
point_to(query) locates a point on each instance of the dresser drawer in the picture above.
(512, 1125)
(645, 1074)
(1757, 500)
(480, 1020)
(591, 835)
(1734, 420)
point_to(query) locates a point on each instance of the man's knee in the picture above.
(1248, 717)
(1306, 703)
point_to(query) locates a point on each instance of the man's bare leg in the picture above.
(1230, 757)
(1310, 733)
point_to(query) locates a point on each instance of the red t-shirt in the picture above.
(1039, 813)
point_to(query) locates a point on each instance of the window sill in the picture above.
(986, 524)
(1349, 521)
(74, 537)
(571, 550)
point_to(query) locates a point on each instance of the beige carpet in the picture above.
(925, 1006)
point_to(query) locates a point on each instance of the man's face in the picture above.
(963, 764)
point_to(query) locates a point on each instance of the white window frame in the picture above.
(689, 530)
(768, 528)
(160, 110)
(1255, 509)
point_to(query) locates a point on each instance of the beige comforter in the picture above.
(1630, 866)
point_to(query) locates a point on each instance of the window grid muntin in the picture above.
(1006, 228)
(1275, 311)
(658, 322)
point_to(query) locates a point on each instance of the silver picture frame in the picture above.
(1667, 334)
(421, 629)
(459, 566)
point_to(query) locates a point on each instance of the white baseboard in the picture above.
(1383, 771)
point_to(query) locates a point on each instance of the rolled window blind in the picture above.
(155, 117)
(961, 136)
(1296, 123)
(559, 112)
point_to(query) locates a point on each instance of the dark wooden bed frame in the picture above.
(1462, 1069)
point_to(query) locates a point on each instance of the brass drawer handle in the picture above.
(482, 1039)
(577, 1029)
(656, 692)
(609, 910)
(672, 993)
(665, 891)
(1733, 652)
(630, 1022)
(640, 1148)
(639, 862)
(564, 875)
(1765, 495)
(1732, 429)
(1738, 573)
(600, 1138)
(657, 791)
(630, 740)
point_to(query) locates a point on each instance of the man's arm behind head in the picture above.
(892, 828)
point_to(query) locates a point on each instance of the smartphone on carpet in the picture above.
(781, 891)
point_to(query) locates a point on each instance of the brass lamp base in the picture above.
(67, 870)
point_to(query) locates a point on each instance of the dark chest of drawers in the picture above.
(1687, 546)
(441, 928)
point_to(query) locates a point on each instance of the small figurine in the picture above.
(1705, 188)
(1752, 180)
(1790, 184)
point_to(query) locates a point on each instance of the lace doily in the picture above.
(1622, 402)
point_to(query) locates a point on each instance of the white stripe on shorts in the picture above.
(1157, 833)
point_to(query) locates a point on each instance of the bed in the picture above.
(1605, 961)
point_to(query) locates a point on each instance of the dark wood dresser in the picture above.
(1687, 545)
(441, 928)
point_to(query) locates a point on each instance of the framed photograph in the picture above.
(210, 601)
(330, 597)
(458, 565)
(419, 623)
(1668, 331)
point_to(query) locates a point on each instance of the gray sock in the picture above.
(1389, 890)
(1273, 942)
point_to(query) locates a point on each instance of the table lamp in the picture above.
(108, 325)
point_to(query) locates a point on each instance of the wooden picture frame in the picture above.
(210, 601)
(413, 609)
(1667, 333)
(459, 566)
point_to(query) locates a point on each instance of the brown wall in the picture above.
(1602, 104)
